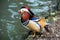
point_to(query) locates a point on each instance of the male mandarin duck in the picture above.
(31, 21)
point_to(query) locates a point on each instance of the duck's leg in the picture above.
(46, 28)
(34, 33)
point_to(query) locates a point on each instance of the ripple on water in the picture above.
(44, 2)
(31, 1)
(21, 3)
(0, 29)
(8, 0)
(45, 8)
(13, 13)
(10, 27)
(2, 32)
(7, 21)
(13, 5)
(38, 10)
(34, 4)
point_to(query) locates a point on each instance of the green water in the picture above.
(10, 24)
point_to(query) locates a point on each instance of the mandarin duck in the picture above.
(31, 21)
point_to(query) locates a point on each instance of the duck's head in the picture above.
(24, 9)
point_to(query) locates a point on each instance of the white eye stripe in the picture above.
(24, 9)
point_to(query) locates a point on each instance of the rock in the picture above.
(57, 35)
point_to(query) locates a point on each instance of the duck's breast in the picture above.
(25, 16)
